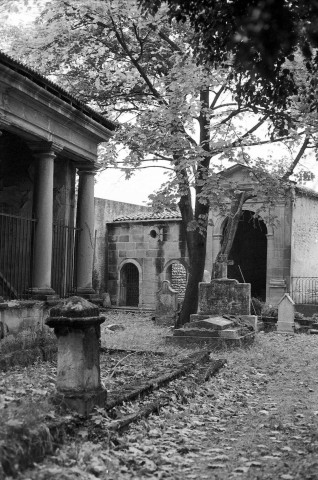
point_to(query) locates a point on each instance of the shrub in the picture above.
(256, 306)
(269, 311)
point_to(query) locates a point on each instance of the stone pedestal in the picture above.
(286, 315)
(76, 323)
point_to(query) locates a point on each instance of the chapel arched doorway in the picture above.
(129, 285)
(249, 254)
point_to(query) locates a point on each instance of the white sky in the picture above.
(111, 184)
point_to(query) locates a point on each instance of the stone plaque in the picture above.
(224, 296)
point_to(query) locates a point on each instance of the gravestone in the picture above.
(224, 296)
(286, 315)
(166, 304)
(221, 298)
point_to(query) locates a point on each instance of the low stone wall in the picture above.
(16, 316)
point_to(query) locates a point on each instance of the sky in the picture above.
(111, 184)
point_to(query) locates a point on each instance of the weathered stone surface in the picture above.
(106, 302)
(167, 304)
(76, 323)
(251, 320)
(115, 327)
(195, 332)
(215, 343)
(197, 316)
(286, 314)
(224, 296)
(230, 333)
(212, 323)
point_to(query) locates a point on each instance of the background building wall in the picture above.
(305, 236)
(153, 245)
(106, 211)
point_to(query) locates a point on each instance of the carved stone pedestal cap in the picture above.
(75, 312)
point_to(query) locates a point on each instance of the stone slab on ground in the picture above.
(211, 323)
(215, 343)
(196, 332)
(195, 317)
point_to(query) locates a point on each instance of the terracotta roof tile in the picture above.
(165, 215)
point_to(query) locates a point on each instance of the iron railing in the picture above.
(16, 239)
(304, 290)
(16, 257)
(65, 241)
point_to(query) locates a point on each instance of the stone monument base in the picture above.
(215, 332)
(82, 403)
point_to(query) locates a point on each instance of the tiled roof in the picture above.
(306, 191)
(165, 215)
(51, 87)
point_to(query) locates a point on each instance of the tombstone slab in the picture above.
(166, 304)
(286, 315)
(224, 296)
(212, 323)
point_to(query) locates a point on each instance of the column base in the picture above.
(44, 294)
(89, 294)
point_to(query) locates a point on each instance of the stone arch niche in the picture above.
(249, 253)
(177, 273)
(130, 282)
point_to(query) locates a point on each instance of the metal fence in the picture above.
(16, 239)
(16, 257)
(304, 290)
(65, 240)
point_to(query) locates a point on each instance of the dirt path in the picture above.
(258, 419)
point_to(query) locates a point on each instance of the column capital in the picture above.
(86, 172)
(45, 148)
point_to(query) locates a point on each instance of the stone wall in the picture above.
(106, 211)
(305, 236)
(151, 246)
(305, 249)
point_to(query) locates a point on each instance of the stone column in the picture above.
(43, 211)
(85, 245)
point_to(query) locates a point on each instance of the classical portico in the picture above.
(47, 138)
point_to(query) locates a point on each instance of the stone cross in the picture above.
(76, 324)
(286, 315)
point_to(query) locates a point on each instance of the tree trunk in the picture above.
(196, 237)
(196, 242)
(221, 262)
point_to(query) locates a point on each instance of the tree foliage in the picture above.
(258, 34)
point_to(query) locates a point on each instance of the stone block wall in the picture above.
(150, 246)
(107, 211)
